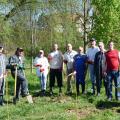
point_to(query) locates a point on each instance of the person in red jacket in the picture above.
(112, 63)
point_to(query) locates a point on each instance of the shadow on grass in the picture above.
(88, 96)
(107, 104)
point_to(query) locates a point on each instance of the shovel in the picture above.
(29, 97)
(14, 98)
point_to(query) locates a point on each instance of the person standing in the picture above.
(91, 56)
(68, 60)
(17, 60)
(3, 63)
(112, 63)
(80, 62)
(56, 64)
(41, 64)
(99, 68)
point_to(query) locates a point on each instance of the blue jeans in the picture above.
(92, 76)
(112, 75)
(43, 81)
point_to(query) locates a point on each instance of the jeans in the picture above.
(92, 76)
(112, 75)
(69, 84)
(43, 79)
(21, 84)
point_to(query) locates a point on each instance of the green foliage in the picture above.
(106, 20)
(38, 24)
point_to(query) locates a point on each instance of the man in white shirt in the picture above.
(68, 60)
(56, 63)
(41, 64)
(91, 56)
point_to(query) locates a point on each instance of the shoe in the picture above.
(1, 100)
(98, 94)
(15, 100)
(109, 99)
(24, 95)
(43, 92)
(78, 93)
(118, 98)
(69, 93)
(60, 90)
(83, 93)
(51, 93)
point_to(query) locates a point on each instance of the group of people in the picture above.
(103, 65)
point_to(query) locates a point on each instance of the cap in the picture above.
(41, 51)
(20, 49)
(1, 47)
(92, 39)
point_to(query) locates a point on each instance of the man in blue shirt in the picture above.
(80, 69)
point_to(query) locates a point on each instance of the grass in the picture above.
(83, 107)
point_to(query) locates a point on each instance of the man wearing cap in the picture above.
(41, 64)
(17, 60)
(56, 63)
(68, 60)
(79, 65)
(91, 56)
(3, 63)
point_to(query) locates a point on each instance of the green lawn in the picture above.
(84, 107)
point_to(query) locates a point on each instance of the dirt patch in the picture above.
(83, 113)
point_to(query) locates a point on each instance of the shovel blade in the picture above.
(29, 99)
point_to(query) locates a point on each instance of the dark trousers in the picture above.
(112, 75)
(99, 78)
(2, 84)
(21, 85)
(82, 86)
(55, 73)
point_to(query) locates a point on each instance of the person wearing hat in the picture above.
(91, 56)
(3, 63)
(17, 60)
(56, 63)
(41, 64)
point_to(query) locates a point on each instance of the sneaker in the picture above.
(98, 94)
(60, 90)
(109, 99)
(118, 98)
(51, 93)
(83, 93)
(69, 92)
(43, 92)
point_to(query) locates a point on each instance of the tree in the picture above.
(106, 20)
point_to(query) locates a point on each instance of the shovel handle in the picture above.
(15, 81)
